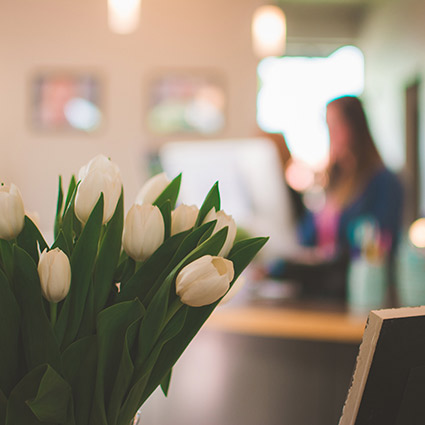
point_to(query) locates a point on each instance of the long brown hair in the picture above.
(365, 155)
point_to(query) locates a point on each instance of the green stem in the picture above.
(174, 308)
(53, 313)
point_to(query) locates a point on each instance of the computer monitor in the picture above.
(251, 183)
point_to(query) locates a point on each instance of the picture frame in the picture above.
(64, 101)
(186, 102)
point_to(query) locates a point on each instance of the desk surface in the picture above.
(296, 321)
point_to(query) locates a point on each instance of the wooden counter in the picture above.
(294, 322)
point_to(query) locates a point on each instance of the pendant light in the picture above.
(269, 31)
(123, 15)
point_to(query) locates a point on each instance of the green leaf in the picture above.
(6, 258)
(165, 209)
(82, 265)
(154, 320)
(88, 321)
(61, 243)
(141, 282)
(173, 349)
(53, 398)
(9, 337)
(211, 246)
(39, 342)
(135, 396)
(112, 325)
(71, 192)
(79, 365)
(70, 225)
(195, 238)
(131, 404)
(3, 407)
(196, 317)
(124, 377)
(165, 383)
(189, 243)
(31, 240)
(170, 193)
(46, 392)
(212, 200)
(244, 251)
(157, 309)
(59, 205)
(125, 269)
(109, 254)
(18, 412)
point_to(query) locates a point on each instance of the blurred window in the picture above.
(293, 94)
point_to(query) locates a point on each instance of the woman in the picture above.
(359, 189)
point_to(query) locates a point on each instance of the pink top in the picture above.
(326, 222)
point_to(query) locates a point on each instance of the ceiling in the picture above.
(319, 27)
(329, 2)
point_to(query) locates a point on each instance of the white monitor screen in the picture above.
(251, 184)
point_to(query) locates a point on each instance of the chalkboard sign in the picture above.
(388, 386)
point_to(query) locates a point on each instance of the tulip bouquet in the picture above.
(91, 325)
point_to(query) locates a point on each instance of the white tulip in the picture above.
(152, 189)
(100, 175)
(183, 218)
(204, 281)
(12, 213)
(54, 271)
(143, 231)
(223, 220)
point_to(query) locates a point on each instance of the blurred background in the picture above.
(206, 48)
(188, 85)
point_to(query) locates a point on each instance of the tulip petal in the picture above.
(183, 218)
(100, 175)
(54, 271)
(204, 281)
(152, 189)
(12, 213)
(143, 231)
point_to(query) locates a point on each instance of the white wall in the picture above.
(73, 34)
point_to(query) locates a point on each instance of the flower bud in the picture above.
(204, 281)
(54, 271)
(223, 220)
(183, 218)
(12, 213)
(152, 189)
(100, 175)
(143, 231)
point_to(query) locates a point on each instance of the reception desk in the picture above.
(299, 320)
(262, 363)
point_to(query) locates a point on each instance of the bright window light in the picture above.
(294, 92)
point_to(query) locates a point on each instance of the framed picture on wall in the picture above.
(65, 101)
(186, 102)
